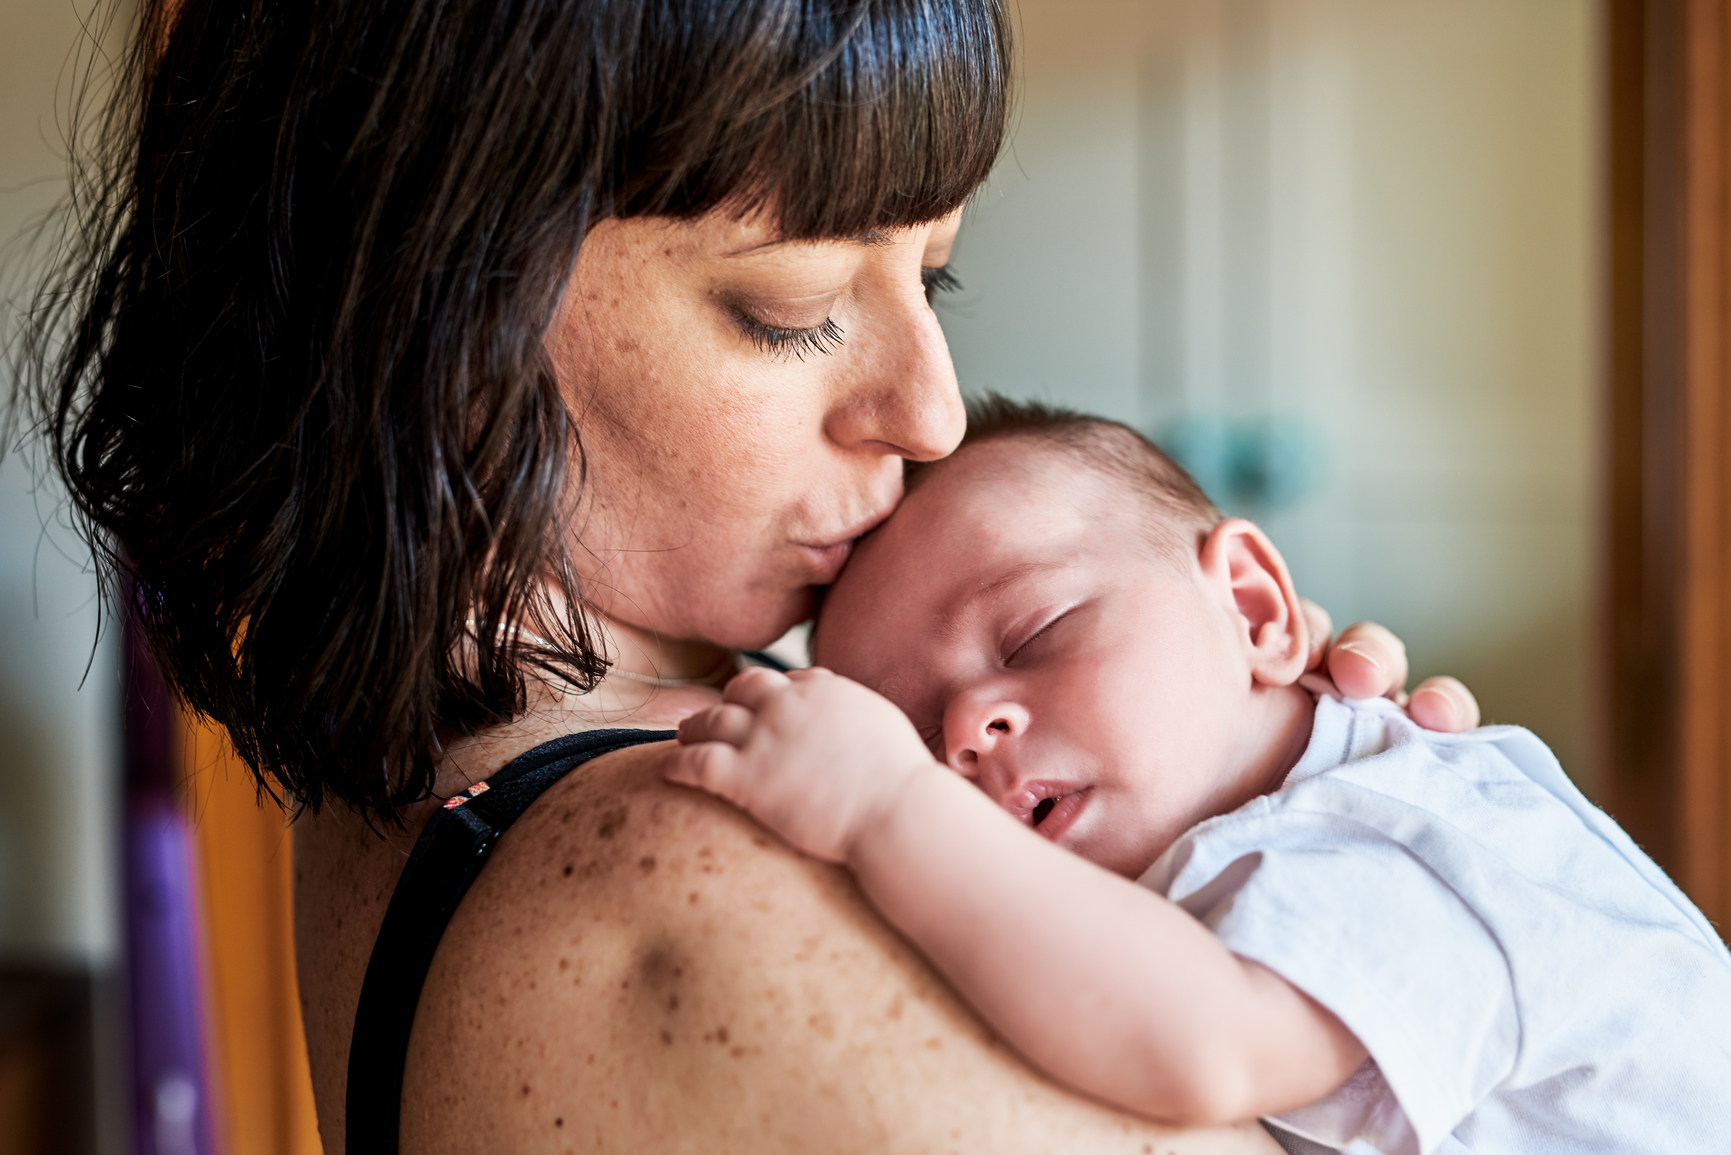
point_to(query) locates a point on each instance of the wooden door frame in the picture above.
(1666, 686)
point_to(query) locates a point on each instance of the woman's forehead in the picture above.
(759, 236)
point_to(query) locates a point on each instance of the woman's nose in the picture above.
(903, 397)
(978, 734)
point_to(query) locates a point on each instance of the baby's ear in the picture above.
(1238, 559)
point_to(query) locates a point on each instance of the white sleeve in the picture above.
(1361, 925)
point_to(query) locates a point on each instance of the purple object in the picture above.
(165, 989)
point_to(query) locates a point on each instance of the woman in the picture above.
(454, 377)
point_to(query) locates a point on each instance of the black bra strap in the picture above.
(447, 858)
(764, 658)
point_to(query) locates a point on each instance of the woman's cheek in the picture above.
(752, 436)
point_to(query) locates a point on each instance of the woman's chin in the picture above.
(756, 626)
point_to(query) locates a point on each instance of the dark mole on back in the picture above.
(612, 822)
(658, 967)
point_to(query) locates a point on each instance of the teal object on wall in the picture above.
(1247, 464)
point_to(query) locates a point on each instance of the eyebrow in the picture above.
(1014, 576)
(871, 239)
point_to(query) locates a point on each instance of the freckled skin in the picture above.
(612, 823)
(696, 1027)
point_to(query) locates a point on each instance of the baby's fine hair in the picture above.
(1178, 508)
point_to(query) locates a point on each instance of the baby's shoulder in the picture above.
(1369, 761)
(1488, 819)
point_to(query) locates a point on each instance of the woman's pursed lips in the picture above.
(829, 554)
(825, 561)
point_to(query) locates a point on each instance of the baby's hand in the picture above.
(811, 755)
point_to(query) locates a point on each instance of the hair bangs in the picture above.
(838, 119)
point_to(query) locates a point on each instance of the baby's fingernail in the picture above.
(1434, 710)
(1454, 702)
(1359, 649)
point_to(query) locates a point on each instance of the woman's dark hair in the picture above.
(293, 371)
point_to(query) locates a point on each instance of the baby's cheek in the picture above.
(1161, 739)
(1095, 700)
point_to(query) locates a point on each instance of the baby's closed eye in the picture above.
(1024, 645)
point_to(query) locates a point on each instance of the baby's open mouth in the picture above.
(1053, 815)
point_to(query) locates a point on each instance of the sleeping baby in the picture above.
(1062, 735)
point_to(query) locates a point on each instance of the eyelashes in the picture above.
(1037, 635)
(827, 337)
(938, 279)
(795, 343)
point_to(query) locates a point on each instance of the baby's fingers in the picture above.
(1367, 661)
(710, 766)
(1320, 627)
(724, 723)
(753, 687)
(1442, 703)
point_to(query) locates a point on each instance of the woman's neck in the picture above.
(673, 680)
(645, 655)
(652, 681)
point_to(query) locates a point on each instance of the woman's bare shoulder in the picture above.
(641, 967)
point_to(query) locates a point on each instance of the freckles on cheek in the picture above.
(753, 447)
(729, 442)
(675, 416)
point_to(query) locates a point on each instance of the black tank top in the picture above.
(447, 858)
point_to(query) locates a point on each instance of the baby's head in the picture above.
(1069, 621)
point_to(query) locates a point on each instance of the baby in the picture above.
(1278, 904)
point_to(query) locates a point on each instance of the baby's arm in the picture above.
(1102, 982)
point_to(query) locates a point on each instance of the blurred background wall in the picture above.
(58, 745)
(65, 1085)
(1340, 254)
(59, 702)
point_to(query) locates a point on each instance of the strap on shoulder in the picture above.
(447, 858)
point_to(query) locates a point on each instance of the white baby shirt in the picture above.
(1525, 979)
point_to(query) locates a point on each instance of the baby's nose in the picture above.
(978, 734)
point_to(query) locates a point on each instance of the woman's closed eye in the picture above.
(789, 341)
(784, 342)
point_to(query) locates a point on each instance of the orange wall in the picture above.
(262, 1091)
